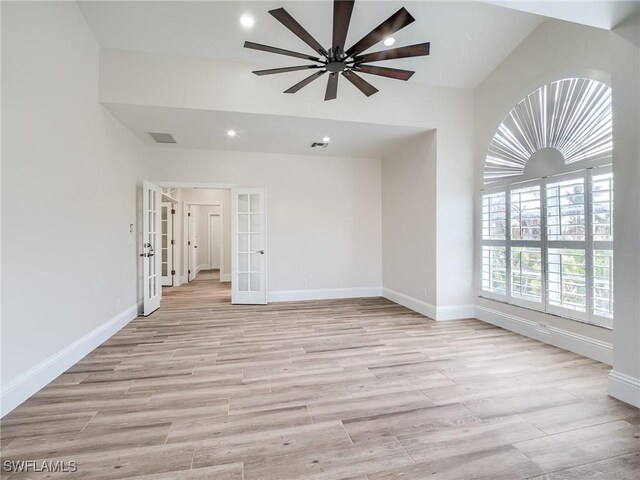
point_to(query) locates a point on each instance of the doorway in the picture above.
(212, 237)
(205, 252)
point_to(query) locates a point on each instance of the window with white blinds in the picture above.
(547, 244)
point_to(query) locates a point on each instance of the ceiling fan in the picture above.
(350, 62)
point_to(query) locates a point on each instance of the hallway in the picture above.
(206, 288)
(357, 388)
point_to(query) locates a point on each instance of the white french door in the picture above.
(192, 243)
(249, 238)
(152, 288)
(166, 257)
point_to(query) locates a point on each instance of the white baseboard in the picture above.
(411, 303)
(586, 346)
(455, 312)
(322, 294)
(225, 277)
(625, 388)
(23, 387)
(449, 312)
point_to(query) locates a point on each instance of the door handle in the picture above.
(150, 253)
(261, 252)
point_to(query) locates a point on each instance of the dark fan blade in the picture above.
(271, 71)
(288, 21)
(386, 72)
(332, 87)
(305, 82)
(395, 22)
(341, 17)
(360, 83)
(400, 52)
(280, 51)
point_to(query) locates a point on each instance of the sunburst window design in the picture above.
(572, 116)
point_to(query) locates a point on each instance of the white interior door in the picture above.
(215, 241)
(152, 289)
(249, 239)
(192, 243)
(166, 232)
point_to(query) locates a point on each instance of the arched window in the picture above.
(547, 205)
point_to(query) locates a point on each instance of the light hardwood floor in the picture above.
(334, 390)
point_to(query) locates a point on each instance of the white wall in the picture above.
(151, 79)
(70, 177)
(323, 214)
(553, 51)
(409, 238)
(625, 43)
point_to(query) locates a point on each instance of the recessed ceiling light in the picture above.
(326, 139)
(389, 41)
(247, 21)
(231, 133)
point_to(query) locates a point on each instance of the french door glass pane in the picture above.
(255, 282)
(243, 223)
(526, 274)
(255, 242)
(243, 203)
(254, 262)
(567, 285)
(243, 242)
(243, 282)
(494, 269)
(254, 203)
(254, 222)
(243, 262)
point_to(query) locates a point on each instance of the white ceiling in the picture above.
(468, 39)
(595, 13)
(206, 129)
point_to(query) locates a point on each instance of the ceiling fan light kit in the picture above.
(337, 60)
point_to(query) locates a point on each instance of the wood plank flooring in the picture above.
(359, 389)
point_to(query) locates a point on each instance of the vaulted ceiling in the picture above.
(468, 39)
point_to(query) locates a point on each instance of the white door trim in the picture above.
(215, 186)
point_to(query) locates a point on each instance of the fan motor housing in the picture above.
(335, 67)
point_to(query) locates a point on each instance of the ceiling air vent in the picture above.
(162, 137)
(319, 144)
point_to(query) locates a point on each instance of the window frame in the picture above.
(589, 245)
